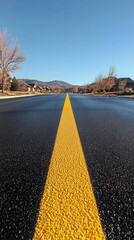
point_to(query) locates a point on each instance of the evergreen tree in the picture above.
(15, 85)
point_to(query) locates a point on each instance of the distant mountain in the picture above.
(52, 84)
(60, 84)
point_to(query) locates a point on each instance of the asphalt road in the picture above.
(28, 128)
(106, 128)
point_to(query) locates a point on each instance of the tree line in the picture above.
(108, 83)
(104, 84)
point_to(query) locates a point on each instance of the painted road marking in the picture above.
(68, 208)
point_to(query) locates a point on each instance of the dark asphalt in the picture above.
(106, 128)
(28, 129)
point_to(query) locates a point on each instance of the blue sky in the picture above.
(71, 40)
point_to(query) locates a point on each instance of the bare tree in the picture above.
(112, 71)
(99, 77)
(110, 83)
(99, 84)
(10, 58)
(75, 90)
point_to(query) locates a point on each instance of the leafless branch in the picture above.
(10, 58)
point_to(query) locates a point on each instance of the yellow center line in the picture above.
(68, 209)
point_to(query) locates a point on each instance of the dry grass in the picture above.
(16, 93)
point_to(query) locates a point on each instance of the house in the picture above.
(39, 88)
(123, 84)
(47, 89)
(126, 84)
(23, 86)
(33, 86)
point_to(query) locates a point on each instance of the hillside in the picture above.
(52, 84)
(60, 84)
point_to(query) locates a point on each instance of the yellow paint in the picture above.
(68, 208)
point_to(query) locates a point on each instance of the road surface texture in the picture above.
(106, 128)
(28, 129)
(68, 209)
(89, 192)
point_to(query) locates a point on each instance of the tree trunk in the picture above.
(2, 85)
